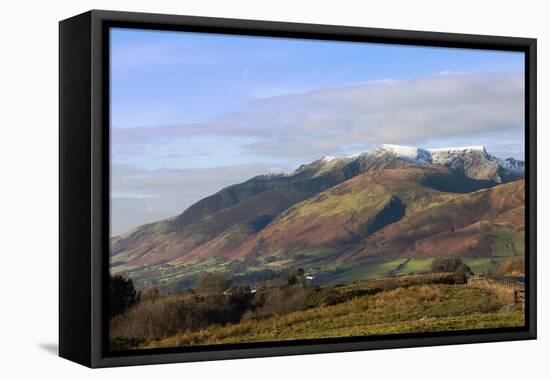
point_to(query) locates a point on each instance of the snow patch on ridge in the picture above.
(413, 154)
(452, 155)
(511, 164)
(457, 149)
(448, 157)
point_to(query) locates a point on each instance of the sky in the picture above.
(192, 113)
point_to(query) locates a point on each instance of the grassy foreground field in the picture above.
(405, 309)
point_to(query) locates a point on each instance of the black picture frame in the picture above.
(84, 185)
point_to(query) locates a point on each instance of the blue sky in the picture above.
(185, 103)
(180, 77)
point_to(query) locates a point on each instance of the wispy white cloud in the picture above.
(441, 107)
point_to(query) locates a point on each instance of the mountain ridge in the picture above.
(387, 185)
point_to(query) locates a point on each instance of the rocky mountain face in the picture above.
(393, 201)
(477, 163)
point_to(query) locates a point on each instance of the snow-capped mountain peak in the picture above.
(474, 161)
(458, 149)
(458, 155)
(323, 165)
(412, 154)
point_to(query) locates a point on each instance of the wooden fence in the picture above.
(517, 286)
(508, 283)
(474, 280)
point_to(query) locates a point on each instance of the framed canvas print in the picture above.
(235, 188)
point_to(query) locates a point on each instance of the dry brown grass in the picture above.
(408, 309)
(294, 312)
(408, 296)
(504, 295)
(407, 281)
(512, 267)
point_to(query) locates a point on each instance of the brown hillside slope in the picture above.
(176, 238)
(219, 223)
(392, 213)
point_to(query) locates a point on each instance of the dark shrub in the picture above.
(124, 343)
(292, 280)
(183, 284)
(149, 293)
(241, 299)
(213, 283)
(297, 277)
(460, 278)
(122, 294)
(450, 265)
(284, 299)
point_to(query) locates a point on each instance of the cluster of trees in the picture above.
(122, 295)
(156, 315)
(149, 315)
(450, 265)
(514, 266)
